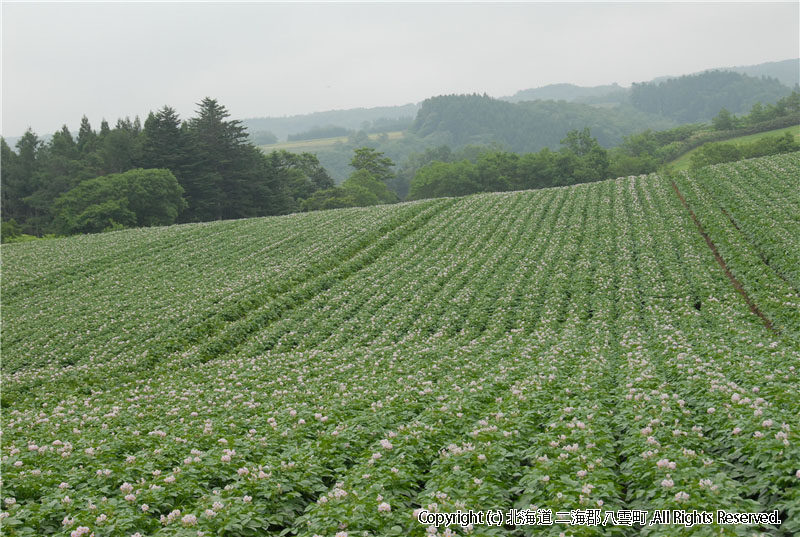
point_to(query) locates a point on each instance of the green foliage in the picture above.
(362, 182)
(441, 179)
(134, 198)
(330, 198)
(717, 153)
(723, 121)
(301, 174)
(87, 138)
(374, 162)
(580, 160)
(363, 188)
(119, 150)
(165, 144)
(9, 229)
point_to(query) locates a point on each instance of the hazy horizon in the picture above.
(110, 60)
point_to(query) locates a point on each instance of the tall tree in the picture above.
(87, 138)
(164, 144)
(57, 169)
(228, 178)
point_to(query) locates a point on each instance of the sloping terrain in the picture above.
(329, 373)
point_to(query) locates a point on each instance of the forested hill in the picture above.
(458, 120)
(532, 125)
(694, 98)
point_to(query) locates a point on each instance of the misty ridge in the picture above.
(786, 72)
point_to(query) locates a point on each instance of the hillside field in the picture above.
(630, 344)
(684, 161)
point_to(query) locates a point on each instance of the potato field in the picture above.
(625, 345)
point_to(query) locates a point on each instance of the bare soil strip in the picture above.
(736, 284)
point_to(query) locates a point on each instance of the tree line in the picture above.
(162, 172)
(581, 159)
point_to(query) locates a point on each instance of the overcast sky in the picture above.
(108, 60)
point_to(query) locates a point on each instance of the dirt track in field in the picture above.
(736, 283)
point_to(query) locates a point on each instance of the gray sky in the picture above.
(64, 60)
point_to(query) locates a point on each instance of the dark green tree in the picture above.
(10, 183)
(164, 144)
(591, 162)
(120, 150)
(217, 184)
(87, 138)
(302, 174)
(58, 168)
(104, 128)
(19, 173)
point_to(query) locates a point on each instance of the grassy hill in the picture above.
(625, 344)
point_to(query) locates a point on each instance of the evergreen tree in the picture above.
(120, 150)
(87, 138)
(19, 171)
(10, 199)
(228, 178)
(164, 144)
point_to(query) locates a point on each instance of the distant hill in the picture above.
(787, 72)
(378, 119)
(568, 92)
